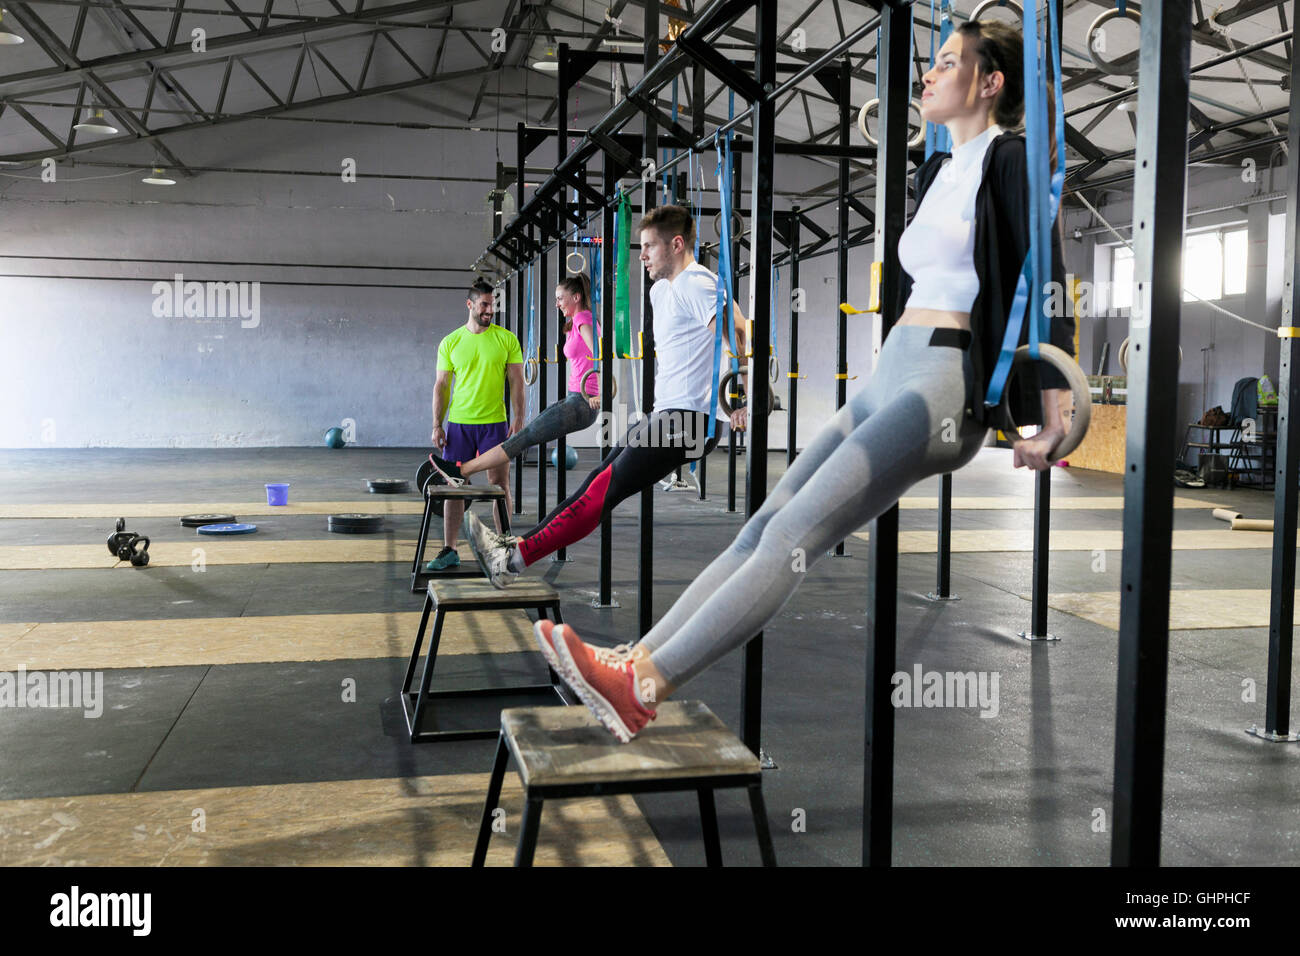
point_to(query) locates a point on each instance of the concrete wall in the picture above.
(1217, 350)
(341, 333)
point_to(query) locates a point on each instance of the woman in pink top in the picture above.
(579, 408)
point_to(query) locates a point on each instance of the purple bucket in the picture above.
(277, 494)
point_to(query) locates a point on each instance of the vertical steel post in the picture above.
(561, 272)
(895, 71)
(697, 130)
(943, 575)
(1281, 615)
(792, 373)
(650, 198)
(1159, 204)
(607, 419)
(732, 438)
(760, 323)
(842, 245)
(545, 307)
(520, 292)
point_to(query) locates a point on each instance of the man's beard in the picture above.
(483, 320)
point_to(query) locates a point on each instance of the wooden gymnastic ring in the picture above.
(1123, 355)
(724, 395)
(530, 370)
(582, 262)
(1063, 363)
(989, 4)
(1107, 66)
(737, 224)
(912, 143)
(582, 386)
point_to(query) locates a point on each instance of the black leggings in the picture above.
(652, 449)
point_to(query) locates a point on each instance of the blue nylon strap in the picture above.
(1036, 273)
(724, 288)
(528, 294)
(942, 138)
(776, 295)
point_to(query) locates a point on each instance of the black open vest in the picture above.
(1001, 244)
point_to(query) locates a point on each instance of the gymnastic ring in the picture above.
(737, 224)
(582, 262)
(912, 143)
(530, 370)
(1104, 65)
(1060, 360)
(582, 386)
(1123, 355)
(989, 4)
(773, 370)
(724, 396)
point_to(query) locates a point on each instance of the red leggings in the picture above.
(652, 449)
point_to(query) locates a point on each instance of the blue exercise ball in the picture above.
(334, 438)
(570, 457)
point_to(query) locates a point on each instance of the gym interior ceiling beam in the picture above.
(67, 75)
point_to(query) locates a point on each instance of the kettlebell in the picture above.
(139, 551)
(113, 538)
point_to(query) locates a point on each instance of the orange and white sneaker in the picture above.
(544, 629)
(607, 687)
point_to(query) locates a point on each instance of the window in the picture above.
(1202, 267)
(1214, 265)
(1234, 262)
(1122, 278)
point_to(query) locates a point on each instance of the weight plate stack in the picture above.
(355, 524)
(198, 521)
(388, 486)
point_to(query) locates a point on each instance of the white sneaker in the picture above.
(492, 550)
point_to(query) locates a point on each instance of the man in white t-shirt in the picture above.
(684, 301)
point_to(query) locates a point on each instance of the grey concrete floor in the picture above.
(1028, 786)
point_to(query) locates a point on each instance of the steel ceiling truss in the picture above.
(93, 78)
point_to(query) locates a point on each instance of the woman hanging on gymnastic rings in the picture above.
(579, 408)
(922, 414)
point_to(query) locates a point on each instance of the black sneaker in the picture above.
(446, 472)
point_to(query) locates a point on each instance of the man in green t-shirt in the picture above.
(478, 356)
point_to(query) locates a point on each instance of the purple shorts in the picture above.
(469, 441)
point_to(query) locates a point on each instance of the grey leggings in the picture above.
(909, 423)
(563, 418)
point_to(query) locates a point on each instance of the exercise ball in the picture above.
(334, 438)
(570, 457)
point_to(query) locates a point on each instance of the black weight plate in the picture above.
(388, 486)
(422, 474)
(198, 521)
(355, 523)
(344, 529)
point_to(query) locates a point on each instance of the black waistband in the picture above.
(957, 338)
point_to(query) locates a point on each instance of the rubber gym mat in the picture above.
(1189, 609)
(381, 504)
(371, 504)
(994, 539)
(357, 549)
(412, 821)
(217, 551)
(83, 645)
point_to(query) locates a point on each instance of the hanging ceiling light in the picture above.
(548, 64)
(158, 178)
(96, 124)
(622, 42)
(7, 38)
